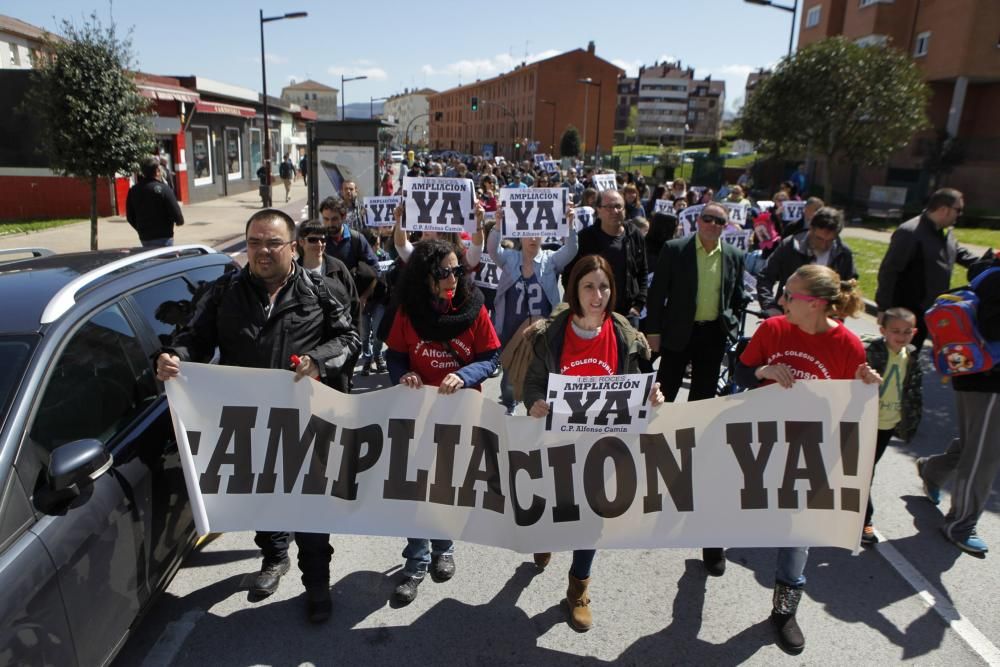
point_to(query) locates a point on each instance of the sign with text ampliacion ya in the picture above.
(378, 211)
(604, 182)
(598, 404)
(439, 204)
(530, 212)
(765, 468)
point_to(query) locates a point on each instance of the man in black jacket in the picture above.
(151, 207)
(972, 460)
(259, 318)
(619, 242)
(922, 253)
(821, 244)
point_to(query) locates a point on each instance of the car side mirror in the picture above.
(76, 465)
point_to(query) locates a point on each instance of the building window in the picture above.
(234, 154)
(865, 3)
(812, 16)
(256, 150)
(201, 149)
(923, 40)
(15, 56)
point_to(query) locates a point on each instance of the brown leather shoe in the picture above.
(542, 560)
(578, 601)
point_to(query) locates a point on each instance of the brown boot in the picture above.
(578, 601)
(542, 560)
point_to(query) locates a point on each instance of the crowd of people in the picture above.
(628, 285)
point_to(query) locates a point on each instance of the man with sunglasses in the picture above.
(249, 317)
(821, 244)
(922, 253)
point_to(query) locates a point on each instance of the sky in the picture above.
(438, 44)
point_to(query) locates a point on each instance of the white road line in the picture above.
(165, 651)
(937, 601)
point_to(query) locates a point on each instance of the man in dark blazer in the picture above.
(693, 313)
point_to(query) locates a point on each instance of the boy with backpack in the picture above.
(900, 396)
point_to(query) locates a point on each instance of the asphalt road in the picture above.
(913, 598)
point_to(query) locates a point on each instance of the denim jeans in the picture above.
(506, 391)
(582, 561)
(791, 566)
(371, 345)
(315, 553)
(157, 243)
(418, 554)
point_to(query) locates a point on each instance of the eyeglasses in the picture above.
(791, 296)
(614, 207)
(315, 239)
(272, 245)
(717, 219)
(441, 273)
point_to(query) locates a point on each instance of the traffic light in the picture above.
(517, 144)
(475, 103)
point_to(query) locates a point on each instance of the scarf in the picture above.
(432, 324)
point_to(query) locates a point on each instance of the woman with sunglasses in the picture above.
(441, 337)
(588, 338)
(810, 341)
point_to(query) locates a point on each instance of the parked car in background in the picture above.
(94, 513)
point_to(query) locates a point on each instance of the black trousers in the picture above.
(881, 442)
(315, 553)
(704, 352)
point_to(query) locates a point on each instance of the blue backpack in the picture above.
(959, 347)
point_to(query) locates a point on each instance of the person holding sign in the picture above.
(586, 339)
(441, 337)
(810, 341)
(528, 287)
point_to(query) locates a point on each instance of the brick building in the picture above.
(955, 44)
(533, 103)
(628, 99)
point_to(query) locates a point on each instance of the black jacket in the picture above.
(673, 296)
(348, 291)
(633, 293)
(988, 319)
(917, 266)
(792, 253)
(152, 210)
(307, 318)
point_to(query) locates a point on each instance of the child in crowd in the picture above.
(900, 397)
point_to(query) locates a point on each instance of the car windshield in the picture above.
(14, 354)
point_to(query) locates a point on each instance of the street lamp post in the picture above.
(343, 104)
(410, 124)
(513, 126)
(793, 9)
(263, 71)
(552, 144)
(597, 138)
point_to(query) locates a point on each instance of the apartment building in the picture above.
(673, 105)
(410, 111)
(628, 99)
(313, 96)
(956, 45)
(530, 106)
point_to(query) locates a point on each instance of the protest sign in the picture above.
(583, 217)
(487, 273)
(688, 219)
(551, 166)
(489, 216)
(663, 206)
(604, 182)
(378, 211)
(539, 159)
(791, 211)
(737, 237)
(766, 468)
(737, 212)
(385, 265)
(600, 404)
(436, 204)
(530, 212)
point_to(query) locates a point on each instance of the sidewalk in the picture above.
(883, 237)
(212, 223)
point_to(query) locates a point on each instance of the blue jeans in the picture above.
(371, 344)
(418, 554)
(506, 391)
(157, 243)
(582, 560)
(791, 565)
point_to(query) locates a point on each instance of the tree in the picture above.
(839, 100)
(569, 145)
(93, 117)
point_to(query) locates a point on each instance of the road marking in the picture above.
(165, 651)
(937, 601)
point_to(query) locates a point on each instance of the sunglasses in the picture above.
(791, 296)
(441, 273)
(719, 220)
(313, 240)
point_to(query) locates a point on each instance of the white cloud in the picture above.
(275, 59)
(483, 68)
(666, 59)
(631, 67)
(359, 68)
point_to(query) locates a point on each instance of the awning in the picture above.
(166, 92)
(307, 114)
(225, 109)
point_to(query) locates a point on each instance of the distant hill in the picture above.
(361, 109)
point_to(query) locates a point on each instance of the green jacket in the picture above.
(913, 395)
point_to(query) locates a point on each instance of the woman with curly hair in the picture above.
(441, 337)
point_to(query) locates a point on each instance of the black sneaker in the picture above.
(380, 366)
(318, 603)
(406, 591)
(366, 367)
(715, 561)
(266, 582)
(443, 567)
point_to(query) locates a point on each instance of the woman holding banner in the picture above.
(441, 336)
(810, 341)
(587, 338)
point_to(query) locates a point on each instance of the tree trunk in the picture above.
(828, 180)
(93, 212)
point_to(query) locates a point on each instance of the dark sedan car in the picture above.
(94, 514)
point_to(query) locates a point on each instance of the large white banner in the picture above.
(439, 204)
(530, 212)
(769, 467)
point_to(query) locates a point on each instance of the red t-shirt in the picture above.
(832, 355)
(587, 357)
(431, 360)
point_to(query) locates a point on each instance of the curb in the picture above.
(871, 308)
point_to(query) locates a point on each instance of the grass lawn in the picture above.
(867, 258)
(21, 226)
(988, 238)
